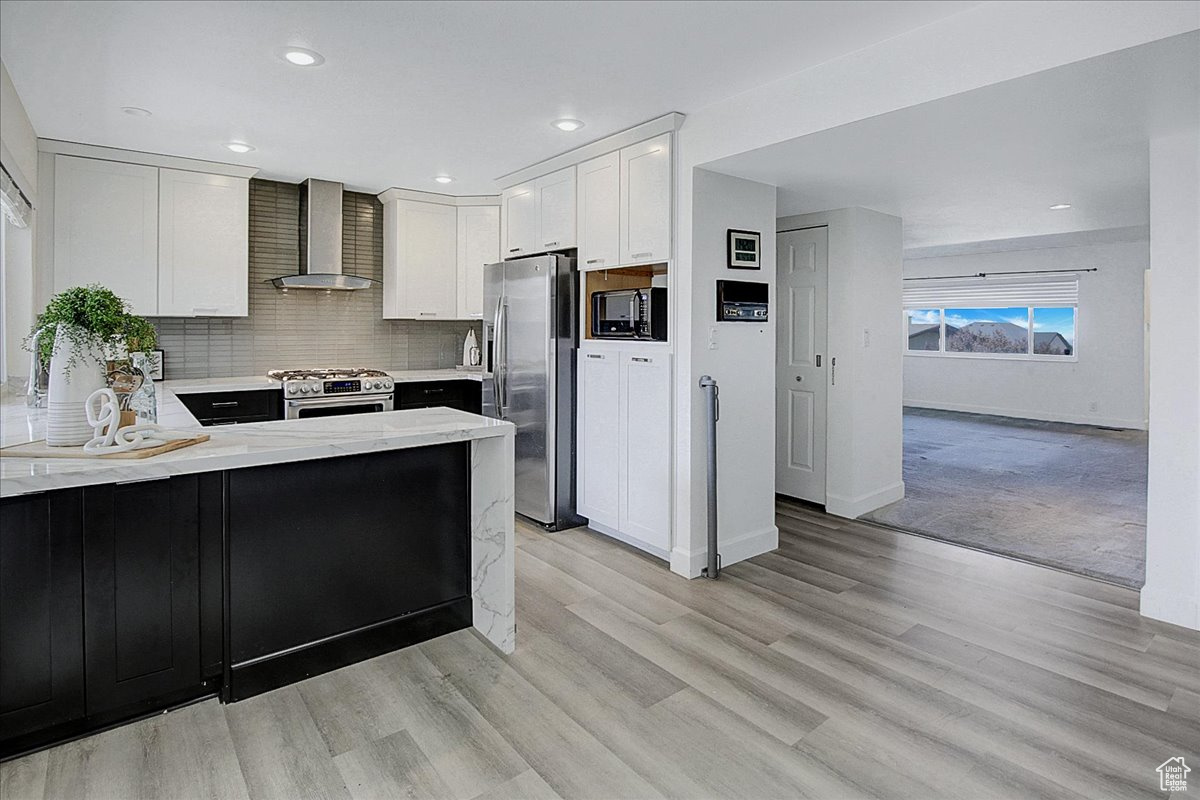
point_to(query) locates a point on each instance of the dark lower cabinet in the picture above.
(110, 605)
(464, 395)
(141, 584)
(41, 613)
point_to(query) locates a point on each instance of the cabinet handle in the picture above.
(515, 250)
(594, 355)
(550, 244)
(642, 255)
(426, 313)
(595, 261)
(203, 309)
(639, 358)
(226, 404)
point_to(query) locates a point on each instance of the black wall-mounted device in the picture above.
(741, 301)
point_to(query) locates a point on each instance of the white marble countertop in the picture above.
(251, 382)
(232, 446)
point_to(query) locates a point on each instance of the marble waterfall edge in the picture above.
(493, 555)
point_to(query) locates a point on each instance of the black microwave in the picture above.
(630, 314)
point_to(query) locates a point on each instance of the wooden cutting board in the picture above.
(40, 449)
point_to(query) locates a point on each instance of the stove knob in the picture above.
(292, 389)
(378, 384)
(387, 384)
(304, 389)
(315, 387)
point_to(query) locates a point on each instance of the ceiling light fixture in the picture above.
(567, 124)
(302, 57)
(239, 147)
(134, 111)
(1060, 206)
(443, 178)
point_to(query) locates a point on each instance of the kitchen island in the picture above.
(274, 551)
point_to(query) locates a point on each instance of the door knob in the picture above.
(799, 378)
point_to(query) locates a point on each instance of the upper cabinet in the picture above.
(615, 208)
(106, 228)
(519, 228)
(420, 268)
(478, 246)
(556, 210)
(598, 200)
(646, 201)
(539, 216)
(203, 244)
(171, 242)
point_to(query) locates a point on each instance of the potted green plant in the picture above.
(75, 334)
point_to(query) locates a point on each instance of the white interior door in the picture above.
(801, 363)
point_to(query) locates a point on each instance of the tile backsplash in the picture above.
(307, 328)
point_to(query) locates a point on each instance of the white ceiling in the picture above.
(408, 90)
(988, 164)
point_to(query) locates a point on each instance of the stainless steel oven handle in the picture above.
(383, 400)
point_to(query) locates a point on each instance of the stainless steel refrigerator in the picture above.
(529, 335)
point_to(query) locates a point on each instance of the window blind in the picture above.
(1059, 290)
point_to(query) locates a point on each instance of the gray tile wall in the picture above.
(306, 328)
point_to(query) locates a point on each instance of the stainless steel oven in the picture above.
(307, 407)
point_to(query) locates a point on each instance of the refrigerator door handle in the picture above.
(495, 358)
(502, 350)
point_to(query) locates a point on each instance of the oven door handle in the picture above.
(384, 400)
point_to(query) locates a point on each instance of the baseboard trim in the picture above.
(1170, 607)
(629, 540)
(854, 507)
(691, 563)
(1072, 419)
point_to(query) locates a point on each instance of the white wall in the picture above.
(865, 439)
(1109, 370)
(18, 153)
(979, 47)
(744, 367)
(1172, 590)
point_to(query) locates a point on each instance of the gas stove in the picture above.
(327, 392)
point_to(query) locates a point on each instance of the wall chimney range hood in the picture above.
(321, 242)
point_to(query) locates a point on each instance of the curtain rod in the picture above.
(1013, 272)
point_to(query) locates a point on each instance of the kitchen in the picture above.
(366, 356)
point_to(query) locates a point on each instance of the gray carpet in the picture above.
(1067, 496)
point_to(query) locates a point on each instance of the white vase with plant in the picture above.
(81, 328)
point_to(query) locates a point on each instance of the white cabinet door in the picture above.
(645, 449)
(598, 203)
(478, 245)
(203, 244)
(599, 431)
(646, 201)
(519, 221)
(106, 228)
(556, 210)
(420, 260)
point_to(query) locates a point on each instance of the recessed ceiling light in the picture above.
(134, 111)
(1060, 206)
(239, 147)
(443, 179)
(302, 57)
(567, 124)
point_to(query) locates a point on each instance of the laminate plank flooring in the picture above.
(852, 662)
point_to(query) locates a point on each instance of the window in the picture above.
(1034, 318)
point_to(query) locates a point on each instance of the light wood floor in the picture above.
(852, 662)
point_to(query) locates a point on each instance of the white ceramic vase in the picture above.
(66, 416)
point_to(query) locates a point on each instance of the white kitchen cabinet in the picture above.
(106, 228)
(645, 448)
(623, 465)
(203, 244)
(420, 250)
(598, 203)
(478, 245)
(646, 201)
(598, 443)
(519, 221)
(556, 210)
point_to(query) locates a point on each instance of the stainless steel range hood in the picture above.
(321, 242)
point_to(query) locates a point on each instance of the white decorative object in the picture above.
(75, 373)
(104, 414)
